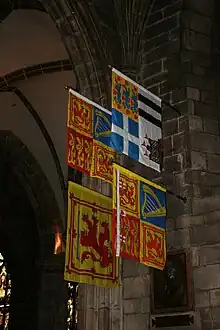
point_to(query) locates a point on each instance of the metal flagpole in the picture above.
(182, 198)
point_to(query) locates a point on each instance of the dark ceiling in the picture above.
(6, 6)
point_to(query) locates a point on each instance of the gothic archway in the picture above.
(27, 218)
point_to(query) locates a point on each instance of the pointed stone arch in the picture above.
(37, 188)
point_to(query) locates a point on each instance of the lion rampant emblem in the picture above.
(98, 239)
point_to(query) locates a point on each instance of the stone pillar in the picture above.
(136, 295)
(52, 300)
(179, 66)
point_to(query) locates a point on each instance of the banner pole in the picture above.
(118, 242)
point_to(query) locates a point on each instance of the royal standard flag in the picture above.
(139, 218)
(136, 121)
(89, 257)
(89, 130)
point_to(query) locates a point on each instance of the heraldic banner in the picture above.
(136, 121)
(89, 257)
(89, 130)
(139, 218)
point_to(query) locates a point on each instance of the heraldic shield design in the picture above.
(142, 218)
(88, 139)
(89, 257)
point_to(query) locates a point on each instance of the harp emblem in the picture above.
(102, 124)
(151, 206)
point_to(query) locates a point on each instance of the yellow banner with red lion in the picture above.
(89, 257)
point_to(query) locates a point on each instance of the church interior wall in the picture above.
(46, 92)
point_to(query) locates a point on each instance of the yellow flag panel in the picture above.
(89, 257)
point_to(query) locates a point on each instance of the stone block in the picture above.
(195, 261)
(211, 126)
(170, 127)
(196, 42)
(205, 142)
(208, 97)
(180, 142)
(202, 7)
(164, 86)
(202, 191)
(153, 43)
(133, 269)
(132, 306)
(198, 160)
(193, 93)
(202, 178)
(158, 4)
(168, 179)
(210, 318)
(187, 221)
(174, 208)
(215, 297)
(215, 316)
(172, 9)
(179, 180)
(154, 89)
(207, 278)
(212, 217)
(161, 51)
(167, 146)
(204, 234)
(203, 83)
(153, 68)
(136, 321)
(156, 79)
(129, 268)
(202, 299)
(213, 163)
(173, 163)
(199, 70)
(205, 110)
(196, 58)
(182, 188)
(196, 22)
(184, 124)
(170, 224)
(205, 314)
(210, 255)
(178, 94)
(205, 205)
(178, 238)
(185, 107)
(155, 17)
(145, 305)
(136, 287)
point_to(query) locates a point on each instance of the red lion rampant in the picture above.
(155, 245)
(100, 244)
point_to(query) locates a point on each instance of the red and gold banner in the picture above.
(139, 227)
(89, 257)
(89, 129)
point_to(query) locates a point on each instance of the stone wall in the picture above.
(184, 73)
